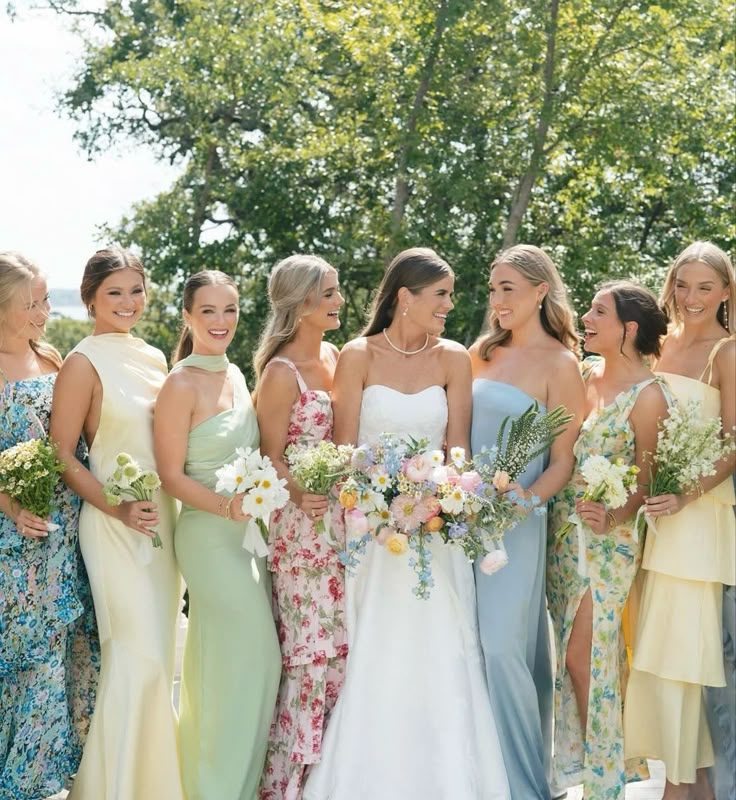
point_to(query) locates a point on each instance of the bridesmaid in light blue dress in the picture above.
(530, 353)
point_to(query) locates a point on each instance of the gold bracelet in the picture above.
(699, 487)
(611, 520)
(228, 514)
(221, 504)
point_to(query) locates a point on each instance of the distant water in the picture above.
(78, 312)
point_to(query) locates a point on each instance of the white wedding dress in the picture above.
(414, 720)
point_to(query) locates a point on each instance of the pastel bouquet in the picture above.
(129, 480)
(318, 469)
(609, 481)
(688, 448)
(29, 473)
(264, 492)
(529, 435)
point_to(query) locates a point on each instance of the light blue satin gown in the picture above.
(512, 616)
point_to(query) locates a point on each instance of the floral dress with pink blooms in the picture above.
(308, 602)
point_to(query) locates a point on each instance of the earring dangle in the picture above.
(725, 314)
(405, 311)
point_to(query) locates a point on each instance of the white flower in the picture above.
(380, 478)
(596, 470)
(457, 456)
(233, 477)
(436, 458)
(454, 501)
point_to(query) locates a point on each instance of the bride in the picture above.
(414, 720)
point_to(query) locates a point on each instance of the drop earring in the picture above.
(725, 315)
(405, 311)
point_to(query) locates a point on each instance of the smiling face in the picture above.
(699, 291)
(603, 329)
(326, 316)
(514, 299)
(213, 318)
(429, 307)
(27, 315)
(119, 301)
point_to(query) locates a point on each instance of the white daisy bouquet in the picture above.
(688, 448)
(318, 469)
(265, 492)
(131, 481)
(29, 473)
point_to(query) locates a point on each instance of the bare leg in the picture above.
(681, 791)
(577, 659)
(703, 790)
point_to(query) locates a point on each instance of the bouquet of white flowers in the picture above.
(265, 492)
(129, 479)
(688, 448)
(609, 482)
(29, 472)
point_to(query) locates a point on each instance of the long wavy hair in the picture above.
(413, 269)
(16, 274)
(207, 277)
(294, 289)
(711, 255)
(556, 315)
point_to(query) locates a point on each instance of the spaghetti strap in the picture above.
(711, 358)
(292, 366)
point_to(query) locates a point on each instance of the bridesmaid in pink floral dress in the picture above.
(308, 580)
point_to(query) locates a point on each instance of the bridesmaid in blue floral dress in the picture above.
(49, 654)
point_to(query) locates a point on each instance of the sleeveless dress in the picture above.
(308, 605)
(594, 757)
(414, 721)
(49, 651)
(678, 647)
(512, 616)
(131, 751)
(231, 666)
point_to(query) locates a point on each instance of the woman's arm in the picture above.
(347, 391)
(566, 388)
(649, 409)
(459, 388)
(277, 393)
(73, 391)
(172, 420)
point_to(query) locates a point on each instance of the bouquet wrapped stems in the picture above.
(130, 480)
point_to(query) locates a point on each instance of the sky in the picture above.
(51, 197)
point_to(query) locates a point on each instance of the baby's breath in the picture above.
(29, 472)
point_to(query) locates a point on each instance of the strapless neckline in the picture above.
(541, 405)
(404, 394)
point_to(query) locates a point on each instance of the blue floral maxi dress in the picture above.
(594, 757)
(49, 651)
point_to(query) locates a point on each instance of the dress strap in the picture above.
(4, 376)
(292, 366)
(711, 359)
(586, 367)
(637, 389)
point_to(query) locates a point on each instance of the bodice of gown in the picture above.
(131, 373)
(419, 415)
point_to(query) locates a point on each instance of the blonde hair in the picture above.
(556, 314)
(207, 277)
(16, 274)
(712, 256)
(290, 285)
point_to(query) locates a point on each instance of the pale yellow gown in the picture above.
(131, 751)
(678, 648)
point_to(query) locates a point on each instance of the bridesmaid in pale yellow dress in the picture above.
(232, 662)
(678, 648)
(106, 389)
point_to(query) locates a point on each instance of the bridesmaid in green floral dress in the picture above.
(232, 662)
(586, 602)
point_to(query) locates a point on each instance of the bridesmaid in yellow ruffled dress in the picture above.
(106, 389)
(692, 553)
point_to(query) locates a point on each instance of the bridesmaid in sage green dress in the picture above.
(232, 662)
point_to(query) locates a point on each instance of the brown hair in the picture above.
(16, 274)
(102, 264)
(413, 269)
(556, 314)
(711, 255)
(635, 303)
(207, 277)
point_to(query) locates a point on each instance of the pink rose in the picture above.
(431, 507)
(417, 468)
(493, 562)
(384, 534)
(453, 476)
(501, 480)
(469, 481)
(357, 522)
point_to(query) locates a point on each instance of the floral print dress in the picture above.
(308, 601)
(594, 757)
(49, 651)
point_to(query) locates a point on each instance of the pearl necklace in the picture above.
(406, 352)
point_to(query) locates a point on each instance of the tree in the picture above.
(602, 131)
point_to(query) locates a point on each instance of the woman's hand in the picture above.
(665, 504)
(314, 505)
(28, 524)
(593, 515)
(140, 515)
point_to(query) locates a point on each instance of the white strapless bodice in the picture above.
(420, 415)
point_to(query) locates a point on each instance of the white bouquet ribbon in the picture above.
(327, 533)
(253, 540)
(649, 521)
(582, 545)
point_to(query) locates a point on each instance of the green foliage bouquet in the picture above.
(29, 472)
(129, 479)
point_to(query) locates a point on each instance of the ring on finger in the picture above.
(23, 529)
